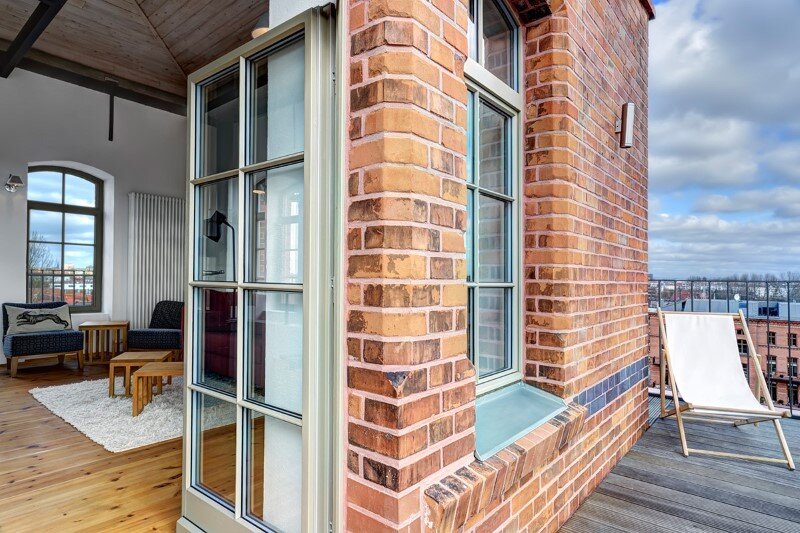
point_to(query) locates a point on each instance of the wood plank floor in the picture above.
(655, 489)
(53, 478)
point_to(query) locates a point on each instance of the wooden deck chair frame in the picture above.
(688, 411)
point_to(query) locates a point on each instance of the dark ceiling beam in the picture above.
(97, 80)
(41, 17)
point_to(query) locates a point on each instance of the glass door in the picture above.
(258, 422)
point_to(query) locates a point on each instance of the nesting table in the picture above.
(103, 340)
(133, 360)
(149, 376)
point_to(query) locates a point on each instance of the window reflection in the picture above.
(216, 227)
(219, 124)
(498, 50)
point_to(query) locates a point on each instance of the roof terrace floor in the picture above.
(655, 489)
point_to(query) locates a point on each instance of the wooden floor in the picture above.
(53, 478)
(655, 489)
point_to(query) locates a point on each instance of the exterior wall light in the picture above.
(625, 125)
(13, 183)
(262, 26)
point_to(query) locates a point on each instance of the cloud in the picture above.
(781, 202)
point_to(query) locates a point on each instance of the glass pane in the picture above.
(274, 469)
(44, 226)
(492, 326)
(217, 222)
(215, 441)
(468, 235)
(278, 106)
(219, 124)
(45, 186)
(276, 225)
(493, 150)
(498, 48)
(44, 256)
(492, 238)
(79, 191)
(79, 229)
(470, 137)
(472, 32)
(275, 345)
(216, 343)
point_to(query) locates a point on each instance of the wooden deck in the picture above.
(53, 478)
(655, 489)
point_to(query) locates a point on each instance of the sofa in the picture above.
(41, 345)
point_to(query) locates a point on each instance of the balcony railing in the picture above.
(772, 310)
(76, 287)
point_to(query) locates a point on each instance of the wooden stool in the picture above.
(104, 339)
(147, 377)
(130, 361)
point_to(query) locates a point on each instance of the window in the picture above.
(739, 331)
(259, 348)
(773, 391)
(772, 364)
(793, 367)
(65, 237)
(771, 337)
(792, 339)
(493, 183)
(743, 348)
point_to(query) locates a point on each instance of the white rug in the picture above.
(109, 421)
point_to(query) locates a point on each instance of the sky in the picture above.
(724, 136)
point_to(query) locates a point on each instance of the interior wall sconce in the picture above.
(625, 125)
(13, 183)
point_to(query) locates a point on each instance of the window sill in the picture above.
(508, 414)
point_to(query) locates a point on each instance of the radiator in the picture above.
(156, 250)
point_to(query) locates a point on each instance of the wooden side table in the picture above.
(148, 376)
(131, 360)
(103, 340)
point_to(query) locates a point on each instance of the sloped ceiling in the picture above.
(152, 43)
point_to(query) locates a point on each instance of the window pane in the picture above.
(42, 255)
(276, 225)
(472, 32)
(79, 191)
(278, 106)
(78, 257)
(215, 352)
(215, 441)
(493, 150)
(468, 235)
(45, 186)
(275, 348)
(219, 124)
(470, 137)
(492, 343)
(274, 469)
(498, 49)
(492, 239)
(78, 229)
(217, 221)
(45, 226)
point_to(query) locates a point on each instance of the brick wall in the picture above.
(411, 388)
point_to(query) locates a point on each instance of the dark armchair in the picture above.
(165, 331)
(41, 345)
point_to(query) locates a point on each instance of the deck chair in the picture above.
(701, 355)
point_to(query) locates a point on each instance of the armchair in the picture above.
(165, 331)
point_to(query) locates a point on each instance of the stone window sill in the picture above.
(508, 414)
(472, 492)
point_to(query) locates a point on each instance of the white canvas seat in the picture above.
(701, 355)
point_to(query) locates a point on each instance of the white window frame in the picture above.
(319, 403)
(509, 100)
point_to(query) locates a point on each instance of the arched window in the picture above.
(65, 238)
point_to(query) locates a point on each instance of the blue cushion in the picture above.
(155, 339)
(43, 342)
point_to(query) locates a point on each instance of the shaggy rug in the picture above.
(109, 422)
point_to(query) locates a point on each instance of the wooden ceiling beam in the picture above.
(41, 17)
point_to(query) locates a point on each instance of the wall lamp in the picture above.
(262, 26)
(13, 183)
(625, 125)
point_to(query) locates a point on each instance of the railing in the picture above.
(772, 310)
(76, 287)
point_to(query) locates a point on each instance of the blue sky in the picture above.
(724, 138)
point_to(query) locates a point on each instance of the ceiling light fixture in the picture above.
(262, 26)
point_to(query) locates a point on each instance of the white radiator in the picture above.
(156, 249)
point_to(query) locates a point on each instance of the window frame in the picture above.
(315, 28)
(483, 85)
(64, 209)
